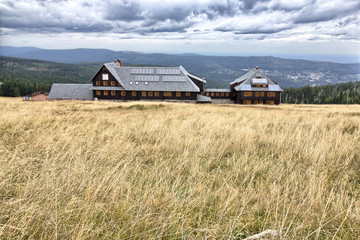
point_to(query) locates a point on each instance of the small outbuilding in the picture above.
(62, 91)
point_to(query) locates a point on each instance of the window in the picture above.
(106, 93)
(122, 93)
(187, 94)
(258, 85)
(227, 94)
(212, 94)
(222, 94)
(207, 94)
(178, 94)
(271, 94)
(256, 102)
(257, 94)
(105, 76)
(113, 93)
(112, 83)
(247, 94)
(97, 83)
(133, 93)
(261, 102)
(261, 94)
(104, 69)
(264, 85)
(156, 94)
(98, 92)
(150, 94)
(167, 94)
(217, 94)
(271, 102)
(143, 94)
(247, 101)
(105, 83)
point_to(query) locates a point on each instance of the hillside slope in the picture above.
(218, 71)
(105, 170)
(23, 76)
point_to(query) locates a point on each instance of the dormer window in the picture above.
(105, 76)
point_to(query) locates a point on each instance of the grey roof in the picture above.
(107, 88)
(70, 91)
(202, 98)
(217, 90)
(190, 75)
(153, 78)
(247, 79)
(244, 77)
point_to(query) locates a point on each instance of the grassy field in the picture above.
(137, 170)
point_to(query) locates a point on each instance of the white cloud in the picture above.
(203, 20)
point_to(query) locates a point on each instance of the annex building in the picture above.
(113, 81)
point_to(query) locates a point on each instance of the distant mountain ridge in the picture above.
(217, 70)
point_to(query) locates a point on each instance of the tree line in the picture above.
(20, 77)
(21, 88)
(343, 93)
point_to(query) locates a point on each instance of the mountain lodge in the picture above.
(113, 81)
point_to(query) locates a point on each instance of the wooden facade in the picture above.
(106, 86)
(258, 97)
(113, 81)
(143, 95)
(255, 88)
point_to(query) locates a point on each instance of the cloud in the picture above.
(124, 11)
(326, 10)
(178, 19)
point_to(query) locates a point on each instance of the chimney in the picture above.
(257, 67)
(118, 63)
(121, 63)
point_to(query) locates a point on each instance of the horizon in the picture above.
(278, 28)
(336, 58)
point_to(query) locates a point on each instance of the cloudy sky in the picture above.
(183, 26)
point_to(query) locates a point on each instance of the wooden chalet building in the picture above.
(115, 82)
(255, 88)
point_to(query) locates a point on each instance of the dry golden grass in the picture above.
(137, 170)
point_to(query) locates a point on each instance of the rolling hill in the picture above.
(217, 70)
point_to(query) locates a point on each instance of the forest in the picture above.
(343, 93)
(20, 77)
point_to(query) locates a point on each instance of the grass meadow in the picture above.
(141, 170)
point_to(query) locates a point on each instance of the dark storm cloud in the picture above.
(177, 14)
(124, 11)
(254, 30)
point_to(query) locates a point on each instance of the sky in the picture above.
(220, 27)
